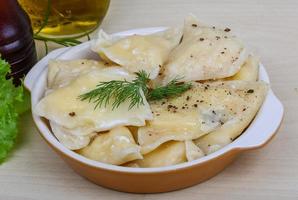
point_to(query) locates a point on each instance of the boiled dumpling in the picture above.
(192, 151)
(114, 147)
(170, 153)
(202, 109)
(249, 70)
(251, 97)
(61, 72)
(167, 125)
(138, 52)
(71, 139)
(63, 106)
(204, 53)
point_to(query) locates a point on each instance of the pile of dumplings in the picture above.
(223, 100)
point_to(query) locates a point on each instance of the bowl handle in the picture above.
(262, 130)
(40, 66)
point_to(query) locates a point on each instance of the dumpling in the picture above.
(63, 106)
(192, 151)
(138, 52)
(244, 110)
(249, 70)
(61, 72)
(167, 125)
(204, 53)
(71, 139)
(202, 109)
(170, 153)
(114, 147)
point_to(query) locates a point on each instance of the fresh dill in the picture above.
(118, 91)
(67, 42)
(173, 88)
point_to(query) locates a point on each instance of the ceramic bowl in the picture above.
(160, 179)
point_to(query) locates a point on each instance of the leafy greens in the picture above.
(10, 97)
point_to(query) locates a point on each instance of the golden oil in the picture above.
(66, 17)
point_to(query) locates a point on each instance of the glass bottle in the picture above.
(66, 18)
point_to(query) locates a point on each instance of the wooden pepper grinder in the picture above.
(16, 39)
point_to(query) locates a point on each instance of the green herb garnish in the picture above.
(11, 98)
(118, 92)
(173, 88)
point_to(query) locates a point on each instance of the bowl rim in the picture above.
(242, 143)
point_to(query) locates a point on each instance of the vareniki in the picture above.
(154, 100)
(138, 52)
(205, 53)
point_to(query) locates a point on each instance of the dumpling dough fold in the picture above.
(70, 137)
(192, 151)
(137, 52)
(249, 70)
(62, 72)
(114, 147)
(170, 153)
(204, 53)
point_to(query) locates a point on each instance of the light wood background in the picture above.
(270, 29)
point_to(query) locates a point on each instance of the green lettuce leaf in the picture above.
(11, 97)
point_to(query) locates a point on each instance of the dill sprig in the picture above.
(173, 88)
(62, 41)
(119, 91)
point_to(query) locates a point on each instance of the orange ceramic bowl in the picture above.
(152, 180)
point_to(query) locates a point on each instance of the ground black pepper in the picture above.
(72, 114)
(250, 91)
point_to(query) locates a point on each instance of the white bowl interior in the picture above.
(260, 130)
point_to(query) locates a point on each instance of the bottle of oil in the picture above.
(65, 17)
(16, 41)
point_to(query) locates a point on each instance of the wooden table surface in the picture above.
(270, 29)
